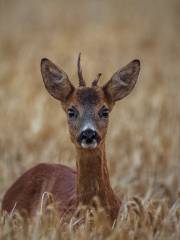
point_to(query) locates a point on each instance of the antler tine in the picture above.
(81, 80)
(95, 82)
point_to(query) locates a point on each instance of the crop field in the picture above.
(143, 140)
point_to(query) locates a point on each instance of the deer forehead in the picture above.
(86, 97)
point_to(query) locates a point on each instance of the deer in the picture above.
(87, 110)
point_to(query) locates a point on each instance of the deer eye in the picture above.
(72, 112)
(104, 112)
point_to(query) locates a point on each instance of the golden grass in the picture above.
(144, 135)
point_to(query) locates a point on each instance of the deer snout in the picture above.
(88, 135)
(89, 139)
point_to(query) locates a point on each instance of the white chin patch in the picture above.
(89, 145)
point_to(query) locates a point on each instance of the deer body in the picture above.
(87, 111)
(26, 193)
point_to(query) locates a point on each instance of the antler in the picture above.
(95, 82)
(81, 80)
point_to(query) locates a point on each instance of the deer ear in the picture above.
(122, 81)
(55, 80)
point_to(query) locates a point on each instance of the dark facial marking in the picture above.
(88, 96)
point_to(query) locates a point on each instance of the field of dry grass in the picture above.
(143, 142)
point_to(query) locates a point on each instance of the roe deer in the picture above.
(87, 110)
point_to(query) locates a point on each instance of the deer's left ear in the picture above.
(122, 81)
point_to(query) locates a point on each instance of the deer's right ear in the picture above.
(55, 80)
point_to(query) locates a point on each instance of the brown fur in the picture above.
(26, 192)
(90, 96)
(93, 180)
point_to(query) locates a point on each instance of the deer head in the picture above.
(88, 108)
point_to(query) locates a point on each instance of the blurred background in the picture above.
(143, 140)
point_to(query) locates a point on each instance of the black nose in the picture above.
(88, 135)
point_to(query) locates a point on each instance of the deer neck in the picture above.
(93, 180)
